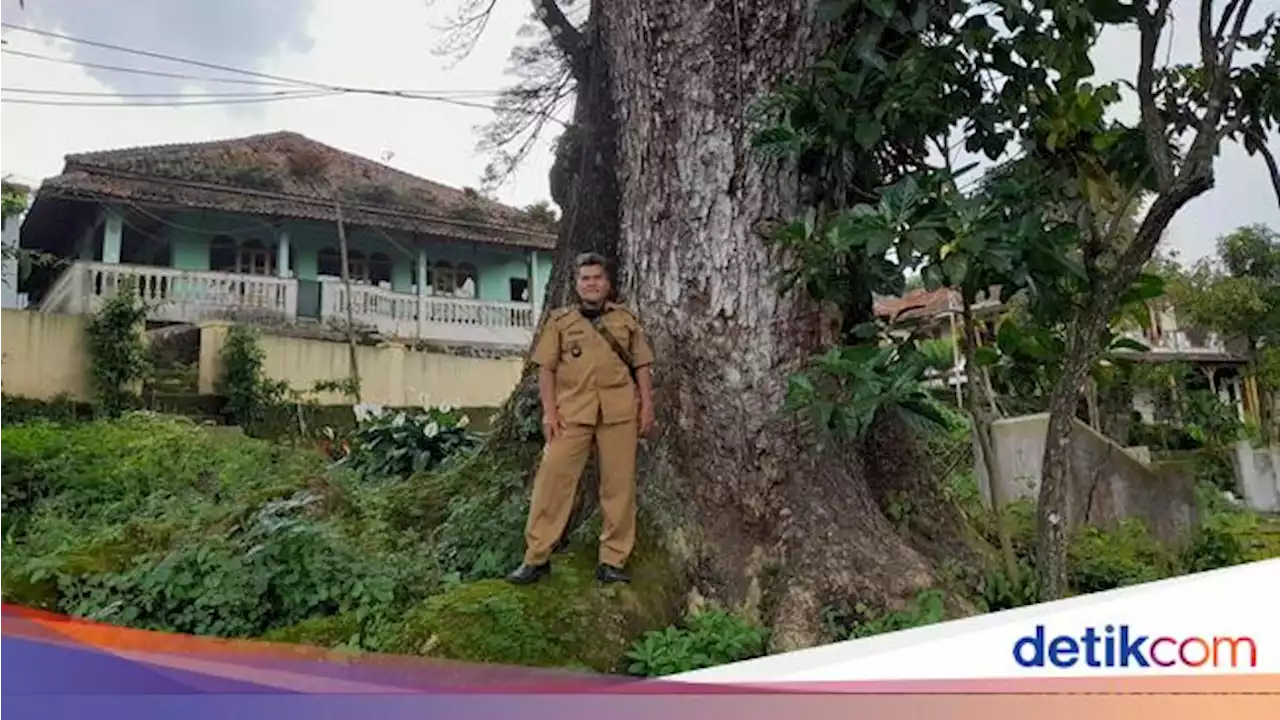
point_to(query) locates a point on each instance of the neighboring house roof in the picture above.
(924, 304)
(284, 174)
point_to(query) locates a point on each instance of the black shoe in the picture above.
(526, 574)
(611, 574)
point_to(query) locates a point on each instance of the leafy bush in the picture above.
(248, 391)
(704, 640)
(1101, 560)
(60, 408)
(163, 524)
(864, 621)
(997, 591)
(120, 361)
(404, 442)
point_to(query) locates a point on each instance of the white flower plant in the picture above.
(399, 442)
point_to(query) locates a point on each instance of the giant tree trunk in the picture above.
(584, 183)
(762, 516)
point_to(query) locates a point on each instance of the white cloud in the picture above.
(336, 42)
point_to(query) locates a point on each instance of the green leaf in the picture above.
(831, 10)
(883, 8)
(957, 268)
(850, 83)
(1111, 12)
(867, 133)
(986, 356)
(1144, 287)
(1125, 343)
(920, 18)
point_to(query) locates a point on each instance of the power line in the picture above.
(161, 56)
(168, 103)
(276, 80)
(140, 71)
(205, 78)
(406, 94)
(79, 93)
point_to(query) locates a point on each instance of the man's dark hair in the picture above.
(587, 259)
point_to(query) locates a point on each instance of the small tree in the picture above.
(118, 351)
(249, 393)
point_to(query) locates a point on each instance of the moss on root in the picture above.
(327, 632)
(566, 620)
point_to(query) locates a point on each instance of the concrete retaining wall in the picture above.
(1109, 482)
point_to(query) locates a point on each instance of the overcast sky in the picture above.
(346, 42)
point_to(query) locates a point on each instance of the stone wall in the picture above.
(1258, 476)
(1109, 482)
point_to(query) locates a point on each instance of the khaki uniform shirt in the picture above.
(592, 383)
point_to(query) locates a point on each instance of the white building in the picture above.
(11, 227)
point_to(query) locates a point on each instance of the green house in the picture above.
(249, 227)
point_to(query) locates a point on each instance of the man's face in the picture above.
(593, 286)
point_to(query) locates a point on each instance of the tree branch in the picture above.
(1167, 205)
(563, 33)
(1232, 41)
(1222, 22)
(1208, 137)
(1208, 40)
(1153, 128)
(1270, 159)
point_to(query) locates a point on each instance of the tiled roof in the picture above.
(920, 303)
(285, 174)
(916, 304)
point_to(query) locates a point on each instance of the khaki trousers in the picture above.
(556, 484)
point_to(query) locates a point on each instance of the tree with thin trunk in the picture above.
(1186, 113)
(352, 354)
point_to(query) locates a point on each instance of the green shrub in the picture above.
(118, 353)
(243, 383)
(862, 620)
(1103, 560)
(705, 639)
(162, 524)
(404, 442)
(997, 591)
(61, 408)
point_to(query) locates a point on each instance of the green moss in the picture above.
(566, 620)
(23, 588)
(327, 632)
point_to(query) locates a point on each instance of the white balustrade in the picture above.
(191, 296)
(432, 317)
(172, 295)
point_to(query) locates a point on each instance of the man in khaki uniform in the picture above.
(595, 384)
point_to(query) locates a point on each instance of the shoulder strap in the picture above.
(623, 355)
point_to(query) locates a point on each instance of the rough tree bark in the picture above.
(763, 517)
(584, 183)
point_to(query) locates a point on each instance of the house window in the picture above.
(442, 278)
(465, 281)
(459, 282)
(254, 258)
(329, 263)
(222, 254)
(251, 257)
(519, 290)
(357, 265)
(379, 268)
